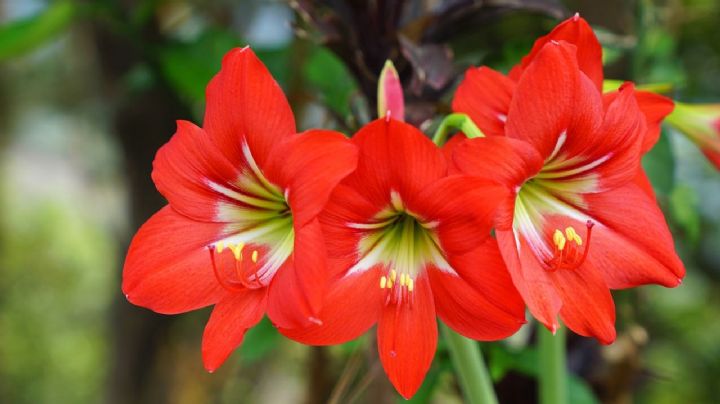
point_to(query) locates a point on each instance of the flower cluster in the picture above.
(328, 236)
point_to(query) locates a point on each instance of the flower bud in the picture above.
(390, 94)
(701, 124)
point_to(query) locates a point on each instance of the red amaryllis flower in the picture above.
(701, 124)
(240, 231)
(407, 244)
(577, 223)
(485, 94)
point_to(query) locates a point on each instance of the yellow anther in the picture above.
(570, 233)
(254, 256)
(402, 279)
(236, 250)
(383, 281)
(390, 284)
(410, 284)
(219, 247)
(393, 275)
(573, 236)
(559, 240)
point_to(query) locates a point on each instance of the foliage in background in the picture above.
(54, 256)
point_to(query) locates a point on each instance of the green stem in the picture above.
(553, 369)
(454, 122)
(659, 88)
(469, 365)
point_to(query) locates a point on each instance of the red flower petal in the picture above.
(308, 167)
(542, 108)
(394, 156)
(620, 139)
(610, 149)
(351, 307)
(448, 149)
(587, 111)
(229, 321)
(482, 302)
(587, 307)
(245, 103)
(654, 107)
(407, 339)
(485, 96)
(575, 30)
(298, 287)
(643, 182)
(505, 160)
(464, 208)
(713, 156)
(530, 279)
(632, 246)
(346, 205)
(183, 167)
(167, 268)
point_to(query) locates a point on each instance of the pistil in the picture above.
(247, 273)
(566, 248)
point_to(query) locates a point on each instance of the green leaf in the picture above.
(188, 67)
(525, 361)
(659, 164)
(329, 77)
(259, 341)
(21, 36)
(580, 392)
(503, 360)
(684, 209)
(278, 61)
(432, 379)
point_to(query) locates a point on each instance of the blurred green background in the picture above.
(90, 89)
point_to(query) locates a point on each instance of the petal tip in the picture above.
(609, 339)
(407, 392)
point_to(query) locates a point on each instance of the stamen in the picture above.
(227, 285)
(567, 245)
(254, 256)
(236, 250)
(570, 233)
(400, 290)
(559, 240)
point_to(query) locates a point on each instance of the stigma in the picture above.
(569, 249)
(246, 273)
(398, 289)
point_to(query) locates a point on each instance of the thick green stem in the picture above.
(469, 365)
(553, 368)
(454, 122)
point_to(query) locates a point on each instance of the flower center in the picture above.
(403, 243)
(567, 252)
(535, 205)
(259, 228)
